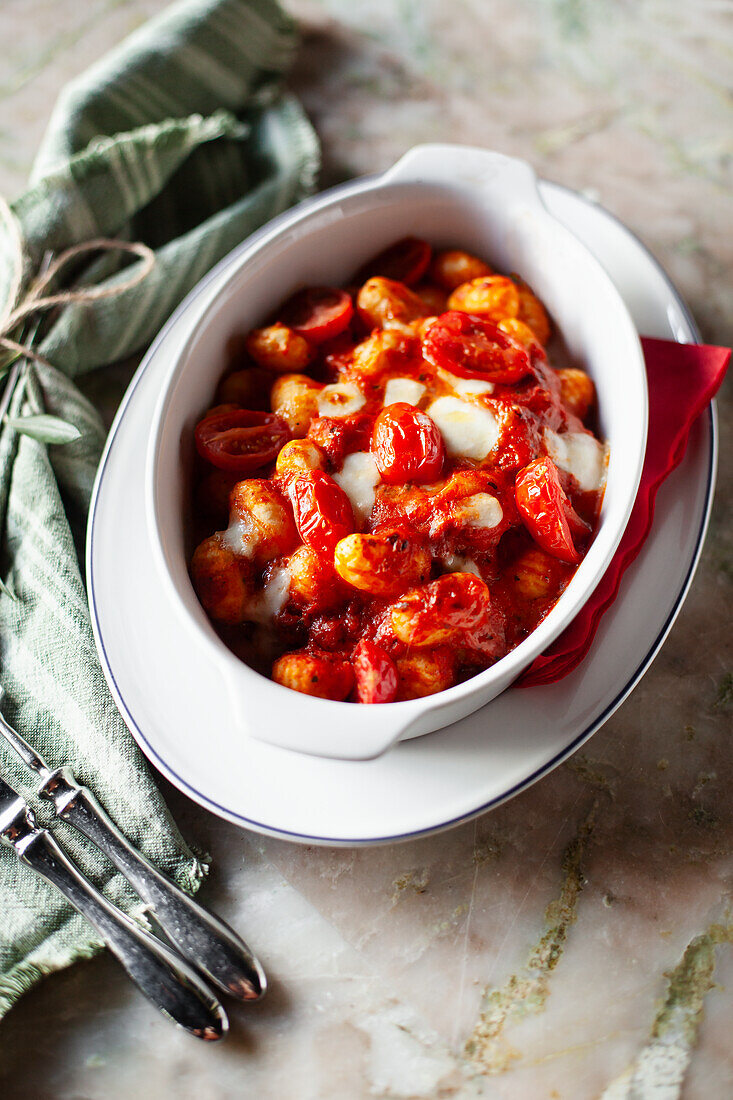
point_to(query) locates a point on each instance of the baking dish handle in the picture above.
(468, 165)
(290, 720)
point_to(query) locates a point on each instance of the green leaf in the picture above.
(44, 428)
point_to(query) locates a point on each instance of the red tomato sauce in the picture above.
(394, 485)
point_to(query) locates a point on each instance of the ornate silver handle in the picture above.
(212, 946)
(158, 972)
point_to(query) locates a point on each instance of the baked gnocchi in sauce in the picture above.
(394, 486)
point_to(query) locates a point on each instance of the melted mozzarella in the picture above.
(359, 478)
(479, 510)
(276, 591)
(403, 389)
(270, 601)
(241, 537)
(468, 430)
(455, 563)
(581, 455)
(466, 387)
(340, 399)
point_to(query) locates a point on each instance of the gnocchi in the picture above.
(279, 348)
(453, 267)
(314, 674)
(577, 392)
(259, 521)
(298, 456)
(384, 303)
(222, 581)
(381, 564)
(313, 580)
(425, 673)
(294, 397)
(492, 296)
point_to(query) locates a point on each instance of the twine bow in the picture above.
(18, 308)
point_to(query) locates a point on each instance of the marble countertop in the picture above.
(576, 942)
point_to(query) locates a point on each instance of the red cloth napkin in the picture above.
(683, 379)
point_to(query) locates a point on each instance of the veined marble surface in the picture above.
(576, 942)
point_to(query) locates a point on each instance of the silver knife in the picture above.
(206, 941)
(159, 973)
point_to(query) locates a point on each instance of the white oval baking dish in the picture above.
(455, 196)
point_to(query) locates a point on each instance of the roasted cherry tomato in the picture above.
(322, 511)
(516, 448)
(375, 672)
(240, 440)
(546, 510)
(406, 261)
(407, 445)
(339, 436)
(337, 354)
(449, 609)
(318, 313)
(475, 348)
(519, 441)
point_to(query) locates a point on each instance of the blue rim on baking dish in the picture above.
(582, 735)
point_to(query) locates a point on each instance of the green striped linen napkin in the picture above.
(181, 138)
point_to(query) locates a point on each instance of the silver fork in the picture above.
(203, 939)
(158, 972)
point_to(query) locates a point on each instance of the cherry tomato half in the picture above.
(407, 445)
(240, 440)
(406, 261)
(546, 510)
(375, 672)
(322, 511)
(318, 313)
(475, 348)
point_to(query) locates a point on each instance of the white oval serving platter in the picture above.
(178, 708)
